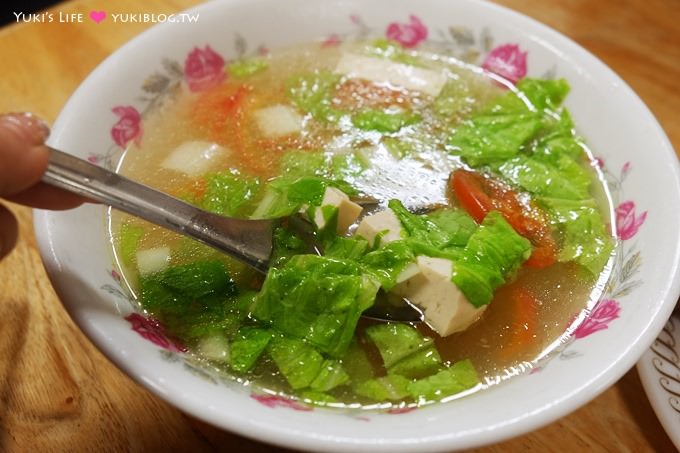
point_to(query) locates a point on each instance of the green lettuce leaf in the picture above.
(284, 196)
(353, 248)
(199, 279)
(304, 178)
(316, 298)
(419, 364)
(334, 169)
(488, 139)
(286, 244)
(332, 375)
(505, 127)
(154, 296)
(356, 363)
(396, 341)
(193, 319)
(544, 94)
(247, 347)
(383, 121)
(441, 229)
(558, 140)
(404, 350)
(201, 282)
(326, 231)
(541, 94)
(230, 194)
(296, 164)
(449, 381)
(129, 237)
(392, 387)
(298, 362)
(197, 321)
(246, 67)
(492, 255)
(550, 168)
(387, 262)
(585, 239)
(348, 165)
(565, 179)
(442, 234)
(313, 92)
(302, 190)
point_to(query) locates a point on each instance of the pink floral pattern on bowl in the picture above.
(274, 401)
(204, 68)
(151, 329)
(627, 221)
(408, 35)
(129, 126)
(508, 61)
(604, 312)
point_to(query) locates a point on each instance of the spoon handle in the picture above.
(246, 240)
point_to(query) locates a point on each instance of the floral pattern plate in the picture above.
(659, 370)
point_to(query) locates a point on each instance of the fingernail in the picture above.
(31, 127)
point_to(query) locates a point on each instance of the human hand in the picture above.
(23, 160)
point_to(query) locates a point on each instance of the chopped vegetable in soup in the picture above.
(491, 221)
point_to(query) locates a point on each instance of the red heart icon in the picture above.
(97, 16)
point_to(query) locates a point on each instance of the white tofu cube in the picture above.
(153, 260)
(384, 223)
(445, 307)
(194, 158)
(410, 271)
(380, 70)
(278, 120)
(348, 211)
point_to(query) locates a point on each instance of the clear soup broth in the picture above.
(372, 121)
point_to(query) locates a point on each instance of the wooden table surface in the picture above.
(59, 393)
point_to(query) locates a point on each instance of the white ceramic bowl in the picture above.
(637, 156)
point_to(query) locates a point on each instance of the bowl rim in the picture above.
(578, 397)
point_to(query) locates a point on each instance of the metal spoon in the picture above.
(249, 241)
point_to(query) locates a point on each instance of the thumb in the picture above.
(22, 158)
